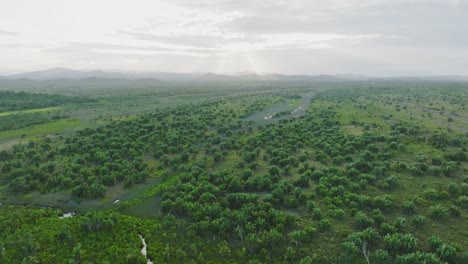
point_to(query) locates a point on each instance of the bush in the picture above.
(388, 228)
(418, 257)
(384, 202)
(362, 221)
(380, 256)
(399, 223)
(400, 243)
(438, 211)
(389, 183)
(324, 225)
(446, 252)
(435, 242)
(408, 207)
(338, 213)
(462, 201)
(378, 216)
(317, 214)
(303, 181)
(453, 189)
(454, 211)
(418, 221)
(433, 194)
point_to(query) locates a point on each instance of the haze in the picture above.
(381, 37)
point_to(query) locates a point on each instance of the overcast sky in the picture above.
(373, 37)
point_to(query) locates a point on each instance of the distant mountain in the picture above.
(64, 73)
(72, 85)
(284, 77)
(357, 77)
(166, 76)
(245, 73)
(453, 78)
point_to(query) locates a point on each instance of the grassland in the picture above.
(343, 165)
(52, 128)
(28, 111)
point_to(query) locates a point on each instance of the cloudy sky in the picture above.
(373, 37)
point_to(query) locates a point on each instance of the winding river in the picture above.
(267, 115)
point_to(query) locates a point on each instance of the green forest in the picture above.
(220, 172)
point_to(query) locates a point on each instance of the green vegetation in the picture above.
(294, 102)
(13, 122)
(12, 101)
(361, 175)
(35, 114)
(29, 111)
(52, 127)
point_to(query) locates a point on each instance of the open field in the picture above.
(57, 127)
(38, 110)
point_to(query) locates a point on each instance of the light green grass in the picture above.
(42, 129)
(36, 110)
(294, 102)
(353, 130)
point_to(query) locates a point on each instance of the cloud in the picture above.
(215, 31)
(8, 33)
(109, 48)
(294, 36)
(180, 39)
(247, 43)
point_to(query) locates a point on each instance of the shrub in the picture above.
(324, 225)
(399, 223)
(446, 252)
(338, 213)
(384, 202)
(462, 201)
(362, 221)
(389, 183)
(317, 214)
(418, 221)
(435, 242)
(388, 228)
(380, 256)
(408, 207)
(433, 194)
(453, 189)
(378, 216)
(303, 181)
(418, 257)
(454, 211)
(438, 211)
(400, 243)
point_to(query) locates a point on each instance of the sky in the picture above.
(371, 37)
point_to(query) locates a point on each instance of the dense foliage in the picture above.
(365, 175)
(17, 121)
(15, 101)
(95, 159)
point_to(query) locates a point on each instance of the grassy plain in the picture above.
(28, 111)
(374, 155)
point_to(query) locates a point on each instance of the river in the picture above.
(267, 115)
